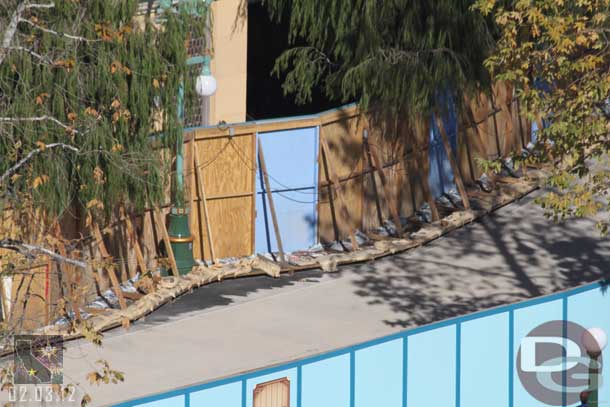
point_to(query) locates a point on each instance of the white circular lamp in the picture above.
(594, 340)
(206, 85)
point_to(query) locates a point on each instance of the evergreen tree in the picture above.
(83, 84)
(396, 55)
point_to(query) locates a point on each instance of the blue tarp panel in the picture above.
(292, 164)
(441, 175)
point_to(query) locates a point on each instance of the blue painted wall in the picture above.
(378, 375)
(326, 383)
(484, 348)
(527, 319)
(591, 309)
(228, 395)
(464, 362)
(291, 159)
(431, 366)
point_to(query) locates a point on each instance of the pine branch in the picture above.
(59, 34)
(37, 119)
(31, 154)
(30, 251)
(9, 34)
(36, 55)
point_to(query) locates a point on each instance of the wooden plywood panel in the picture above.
(30, 292)
(503, 93)
(345, 158)
(272, 394)
(227, 167)
(484, 144)
(391, 140)
(469, 149)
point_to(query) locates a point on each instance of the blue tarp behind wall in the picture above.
(441, 175)
(291, 159)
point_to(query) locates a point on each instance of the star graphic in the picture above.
(32, 372)
(48, 351)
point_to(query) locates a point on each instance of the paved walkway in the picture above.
(225, 329)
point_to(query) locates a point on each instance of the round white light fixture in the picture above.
(205, 85)
(594, 340)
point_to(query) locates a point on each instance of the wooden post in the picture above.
(276, 226)
(335, 180)
(160, 221)
(392, 205)
(47, 292)
(203, 202)
(367, 151)
(331, 199)
(521, 132)
(495, 120)
(97, 234)
(3, 298)
(457, 175)
(134, 241)
(422, 165)
(68, 271)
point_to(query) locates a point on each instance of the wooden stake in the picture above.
(276, 226)
(457, 175)
(392, 204)
(422, 165)
(335, 180)
(3, 298)
(134, 241)
(47, 293)
(495, 120)
(203, 202)
(367, 150)
(331, 199)
(68, 272)
(160, 221)
(97, 234)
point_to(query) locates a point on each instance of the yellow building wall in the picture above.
(230, 60)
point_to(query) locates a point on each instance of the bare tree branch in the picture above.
(29, 251)
(31, 154)
(37, 119)
(59, 34)
(9, 34)
(7, 38)
(36, 55)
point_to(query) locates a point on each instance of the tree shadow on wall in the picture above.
(510, 256)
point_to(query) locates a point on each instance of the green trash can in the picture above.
(181, 240)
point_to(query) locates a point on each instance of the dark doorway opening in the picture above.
(265, 99)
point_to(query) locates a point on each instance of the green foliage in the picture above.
(110, 88)
(557, 54)
(395, 55)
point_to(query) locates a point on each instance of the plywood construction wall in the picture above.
(345, 161)
(228, 172)
(227, 166)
